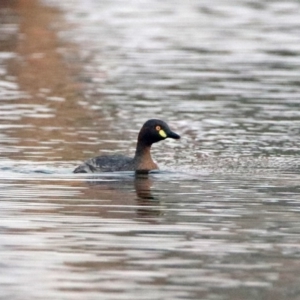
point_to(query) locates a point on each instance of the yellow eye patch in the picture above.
(162, 133)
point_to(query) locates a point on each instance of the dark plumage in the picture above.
(152, 131)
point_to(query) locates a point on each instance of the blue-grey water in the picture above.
(220, 220)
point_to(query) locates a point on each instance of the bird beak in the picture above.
(173, 135)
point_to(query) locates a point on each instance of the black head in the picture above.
(155, 130)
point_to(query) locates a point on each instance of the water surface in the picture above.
(221, 218)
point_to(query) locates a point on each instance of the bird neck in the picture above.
(142, 158)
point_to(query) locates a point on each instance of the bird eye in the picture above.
(158, 128)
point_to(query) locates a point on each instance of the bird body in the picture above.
(152, 131)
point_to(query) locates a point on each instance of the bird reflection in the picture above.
(142, 185)
(126, 192)
(149, 205)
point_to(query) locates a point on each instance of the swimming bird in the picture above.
(152, 131)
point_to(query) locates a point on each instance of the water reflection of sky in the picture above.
(229, 70)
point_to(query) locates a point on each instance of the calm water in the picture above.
(221, 220)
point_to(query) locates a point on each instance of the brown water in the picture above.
(221, 218)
